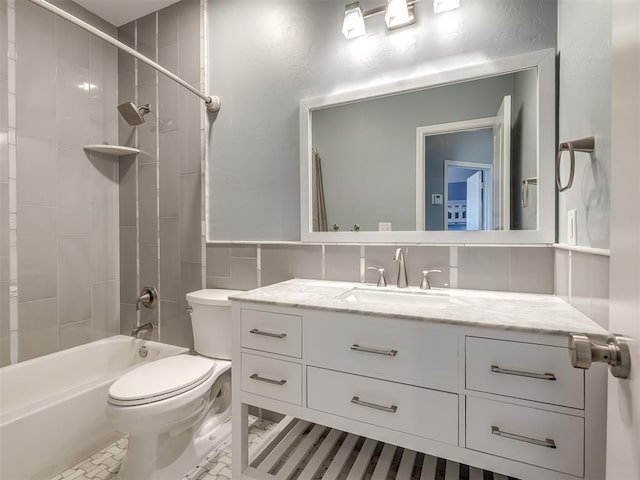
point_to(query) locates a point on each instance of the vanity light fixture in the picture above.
(398, 13)
(440, 6)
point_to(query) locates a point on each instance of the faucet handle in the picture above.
(425, 285)
(382, 281)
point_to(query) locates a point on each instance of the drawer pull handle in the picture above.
(547, 442)
(257, 377)
(255, 331)
(379, 351)
(391, 409)
(520, 373)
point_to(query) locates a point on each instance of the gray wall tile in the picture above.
(247, 251)
(274, 264)
(104, 241)
(169, 174)
(74, 192)
(127, 190)
(168, 26)
(600, 290)
(74, 279)
(148, 203)
(4, 326)
(147, 134)
(105, 309)
(37, 172)
(36, 92)
(429, 258)
(75, 334)
(72, 104)
(342, 263)
(531, 270)
(305, 261)
(170, 259)
(128, 265)
(190, 278)
(219, 282)
(38, 332)
(104, 178)
(72, 44)
(190, 221)
(174, 324)
(146, 45)
(128, 318)
(484, 268)
(148, 265)
(561, 274)
(190, 141)
(37, 269)
(169, 110)
(189, 41)
(4, 236)
(37, 222)
(581, 282)
(243, 273)
(218, 260)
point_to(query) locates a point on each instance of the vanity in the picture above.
(478, 378)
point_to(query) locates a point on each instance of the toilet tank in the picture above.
(211, 322)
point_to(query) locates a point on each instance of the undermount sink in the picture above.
(394, 296)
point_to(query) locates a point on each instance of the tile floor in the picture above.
(104, 465)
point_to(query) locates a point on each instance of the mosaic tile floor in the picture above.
(104, 464)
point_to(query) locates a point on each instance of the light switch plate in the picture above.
(384, 226)
(436, 199)
(572, 227)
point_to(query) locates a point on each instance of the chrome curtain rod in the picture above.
(211, 101)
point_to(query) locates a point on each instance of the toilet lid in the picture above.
(160, 379)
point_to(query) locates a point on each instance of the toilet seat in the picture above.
(160, 380)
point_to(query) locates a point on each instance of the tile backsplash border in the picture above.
(245, 265)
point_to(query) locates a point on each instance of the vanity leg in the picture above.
(240, 441)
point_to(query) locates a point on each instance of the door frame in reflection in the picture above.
(421, 134)
(487, 183)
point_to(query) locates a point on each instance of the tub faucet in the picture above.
(400, 257)
(148, 297)
(147, 327)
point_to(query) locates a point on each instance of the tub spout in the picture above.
(147, 327)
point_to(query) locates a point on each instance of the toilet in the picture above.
(177, 409)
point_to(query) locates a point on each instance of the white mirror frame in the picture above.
(543, 60)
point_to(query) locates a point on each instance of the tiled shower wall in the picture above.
(161, 240)
(61, 86)
(516, 269)
(4, 192)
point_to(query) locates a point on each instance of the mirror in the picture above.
(463, 156)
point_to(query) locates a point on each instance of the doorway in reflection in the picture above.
(467, 196)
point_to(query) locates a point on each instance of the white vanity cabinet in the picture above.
(502, 400)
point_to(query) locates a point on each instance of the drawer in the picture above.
(523, 370)
(399, 350)
(272, 332)
(526, 435)
(272, 378)
(418, 411)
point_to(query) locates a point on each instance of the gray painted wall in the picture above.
(368, 149)
(264, 63)
(584, 44)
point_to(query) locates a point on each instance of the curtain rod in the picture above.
(212, 102)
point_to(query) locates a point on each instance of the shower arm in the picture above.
(212, 102)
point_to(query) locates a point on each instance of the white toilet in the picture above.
(177, 409)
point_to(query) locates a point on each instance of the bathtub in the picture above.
(52, 408)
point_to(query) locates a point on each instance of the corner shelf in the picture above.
(115, 150)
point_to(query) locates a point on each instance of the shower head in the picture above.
(132, 114)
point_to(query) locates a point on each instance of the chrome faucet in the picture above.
(147, 327)
(400, 257)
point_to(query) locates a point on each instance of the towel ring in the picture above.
(586, 145)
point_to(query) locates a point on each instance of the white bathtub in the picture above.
(52, 408)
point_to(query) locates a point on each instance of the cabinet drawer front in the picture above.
(272, 332)
(523, 370)
(272, 378)
(419, 411)
(398, 350)
(526, 434)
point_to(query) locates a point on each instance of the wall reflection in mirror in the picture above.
(451, 157)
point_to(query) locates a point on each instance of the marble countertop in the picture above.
(505, 310)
